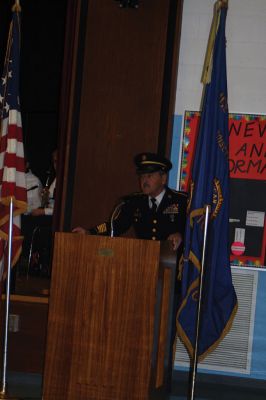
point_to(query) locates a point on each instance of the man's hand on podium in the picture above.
(79, 229)
(176, 239)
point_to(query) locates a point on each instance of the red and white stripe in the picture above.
(12, 185)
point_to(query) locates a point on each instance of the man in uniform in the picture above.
(156, 213)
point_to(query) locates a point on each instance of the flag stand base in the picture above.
(5, 396)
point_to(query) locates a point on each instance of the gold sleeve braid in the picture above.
(102, 228)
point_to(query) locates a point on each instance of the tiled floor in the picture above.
(218, 387)
(28, 387)
(24, 386)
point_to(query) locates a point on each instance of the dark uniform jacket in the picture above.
(134, 210)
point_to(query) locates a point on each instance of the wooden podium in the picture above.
(109, 317)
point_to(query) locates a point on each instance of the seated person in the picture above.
(37, 225)
(48, 194)
(156, 213)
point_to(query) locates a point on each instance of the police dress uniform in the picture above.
(168, 218)
(134, 210)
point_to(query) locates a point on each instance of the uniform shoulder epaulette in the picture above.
(183, 193)
(180, 192)
(131, 196)
(134, 194)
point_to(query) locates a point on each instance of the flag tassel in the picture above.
(207, 66)
(16, 7)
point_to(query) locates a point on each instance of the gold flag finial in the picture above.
(223, 3)
(16, 6)
(207, 67)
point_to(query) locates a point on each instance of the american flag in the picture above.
(12, 166)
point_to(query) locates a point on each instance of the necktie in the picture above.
(154, 205)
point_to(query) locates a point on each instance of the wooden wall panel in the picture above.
(26, 345)
(125, 76)
(120, 107)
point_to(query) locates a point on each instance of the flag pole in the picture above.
(195, 353)
(3, 391)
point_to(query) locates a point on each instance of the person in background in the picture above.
(36, 224)
(34, 189)
(46, 207)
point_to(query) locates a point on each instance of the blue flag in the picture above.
(209, 186)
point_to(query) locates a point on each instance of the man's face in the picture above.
(153, 183)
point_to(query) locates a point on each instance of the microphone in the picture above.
(122, 201)
(115, 214)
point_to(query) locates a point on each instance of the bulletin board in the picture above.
(247, 165)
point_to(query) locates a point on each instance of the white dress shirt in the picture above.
(157, 198)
